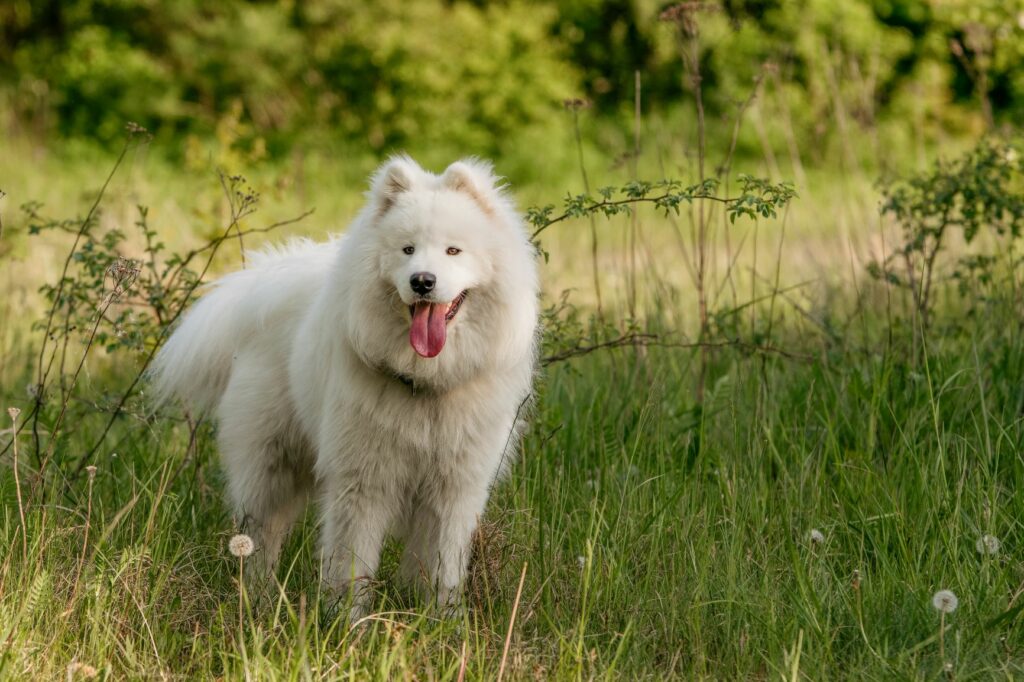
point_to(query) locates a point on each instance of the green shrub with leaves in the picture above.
(979, 192)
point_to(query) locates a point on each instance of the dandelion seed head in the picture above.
(945, 601)
(988, 544)
(241, 545)
(816, 536)
(581, 561)
(13, 412)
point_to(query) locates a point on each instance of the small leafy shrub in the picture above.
(980, 192)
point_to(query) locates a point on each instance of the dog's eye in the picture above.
(454, 251)
(408, 251)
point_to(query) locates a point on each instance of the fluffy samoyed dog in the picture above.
(383, 372)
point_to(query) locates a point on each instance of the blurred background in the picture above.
(266, 82)
(306, 98)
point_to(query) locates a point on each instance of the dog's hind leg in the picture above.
(269, 476)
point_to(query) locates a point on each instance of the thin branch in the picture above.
(622, 202)
(644, 339)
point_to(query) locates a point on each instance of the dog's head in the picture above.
(453, 265)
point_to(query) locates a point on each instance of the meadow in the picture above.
(765, 443)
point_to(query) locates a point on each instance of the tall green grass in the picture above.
(659, 539)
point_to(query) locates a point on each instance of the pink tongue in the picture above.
(427, 333)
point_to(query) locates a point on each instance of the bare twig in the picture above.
(644, 339)
(574, 106)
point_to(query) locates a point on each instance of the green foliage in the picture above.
(478, 76)
(981, 190)
(758, 198)
(351, 71)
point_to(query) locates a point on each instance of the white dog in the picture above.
(385, 371)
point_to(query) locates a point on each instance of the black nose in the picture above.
(422, 282)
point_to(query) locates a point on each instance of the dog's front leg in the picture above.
(446, 519)
(356, 519)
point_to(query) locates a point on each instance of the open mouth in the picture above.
(429, 327)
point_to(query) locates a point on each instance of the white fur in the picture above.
(300, 358)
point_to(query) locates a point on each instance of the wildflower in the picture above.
(816, 536)
(945, 601)
(13, 412)
(241, 545)
(91, 470)
(987, 544)
(581, 561)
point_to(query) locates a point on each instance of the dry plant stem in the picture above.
(463, 661)
(593, 222)
(787, 130)
(511, 624)
(55, 430)
(634, 218)
(85, 540)
(691, 62)
(724, 171)
(86, 222)
(17, 486)
(235, 215)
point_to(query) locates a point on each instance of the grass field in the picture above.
(793, 524)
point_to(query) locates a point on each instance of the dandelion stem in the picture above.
(241, 598)
(942, 637)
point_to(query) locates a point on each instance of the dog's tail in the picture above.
(194, 364)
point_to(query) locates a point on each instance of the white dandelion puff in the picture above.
(988, 544)
(581, 561)
(816, 536)
(241, 545)
(945, 601)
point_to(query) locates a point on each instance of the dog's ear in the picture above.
(391, 180)
(475, 179)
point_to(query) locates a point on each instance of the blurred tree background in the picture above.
(267, 78)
